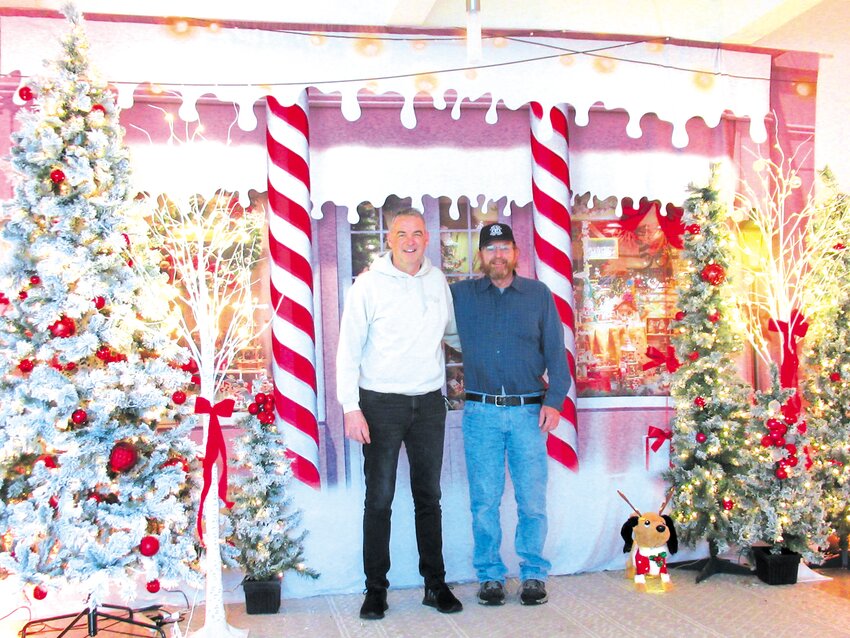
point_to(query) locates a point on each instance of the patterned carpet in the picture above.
(602, 604)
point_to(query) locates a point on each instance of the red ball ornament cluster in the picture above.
(123, 457)
(63, 328)
(713, 274)
(263, 408)
(108, 355)
(775, 438)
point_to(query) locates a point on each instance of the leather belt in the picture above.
(503, 400)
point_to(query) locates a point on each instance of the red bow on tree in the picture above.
(215, 448)
(660, 359)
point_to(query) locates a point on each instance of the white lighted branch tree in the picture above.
(211, 246)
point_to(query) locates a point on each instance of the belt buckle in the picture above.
(500, 400)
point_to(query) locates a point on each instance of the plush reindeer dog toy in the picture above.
(650, 538)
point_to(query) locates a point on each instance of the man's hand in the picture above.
(549, 418)
(356, 427)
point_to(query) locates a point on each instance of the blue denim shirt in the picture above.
(510, 338)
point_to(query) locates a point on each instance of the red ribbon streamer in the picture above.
(660, 359)
(672, 225)
(790, 331)
(657, 436)
(215, 448)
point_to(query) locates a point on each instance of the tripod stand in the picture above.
(92, 615)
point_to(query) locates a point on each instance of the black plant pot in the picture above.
(262, 596)
(776, 569)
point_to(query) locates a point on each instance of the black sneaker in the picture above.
(491, 593)
(374, 605)
(533, 592)
(442, 599)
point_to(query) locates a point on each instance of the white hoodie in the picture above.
(391, 333)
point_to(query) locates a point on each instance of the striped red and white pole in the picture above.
(290, 246)
(553, 262)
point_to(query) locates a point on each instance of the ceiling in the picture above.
(767, 23)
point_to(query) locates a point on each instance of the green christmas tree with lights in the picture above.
(827, 358)
(94, 460)
(709, 456)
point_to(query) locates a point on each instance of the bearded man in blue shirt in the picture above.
(512, 340)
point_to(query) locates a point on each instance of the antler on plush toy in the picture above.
(650, 538)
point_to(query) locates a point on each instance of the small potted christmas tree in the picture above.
(265, 524)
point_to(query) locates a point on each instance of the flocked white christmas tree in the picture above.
(95, 460)
(709, 453)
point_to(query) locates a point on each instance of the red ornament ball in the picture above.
(48, 460)
(4, 299)
(79, 417)
(781, 473)
(152, 586)
(693, 356)
(792, 461)
(714, 317)
(260, 397)
(149, 545)
(699, 402)
(98, 108)
(25, 93)
(839, 246)
(53, 502)
(253, 408)
(99, 302)
(35, 280)
(802, 427)
(179, 397)
(701, 437)
(196, 379)
(773, 424)
(123, 457)
(835, 376)
(728, 504)
(25, 365)
(713, 274)
(679, 315)
(766, 441)
(39, 593)
(57, 176)
(791, 449)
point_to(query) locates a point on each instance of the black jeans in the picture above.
(420, 423)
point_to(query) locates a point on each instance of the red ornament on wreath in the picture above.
(57, 176)
(25, 93)
(123, 457)
(39, 593)
(713, 274)
(149, 546)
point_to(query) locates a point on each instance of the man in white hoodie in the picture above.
(390, 372)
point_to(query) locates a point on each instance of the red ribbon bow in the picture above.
(660, 359)
(657, 436)
(215, 448)
(672, 225)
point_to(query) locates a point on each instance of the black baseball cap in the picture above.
(495, 232)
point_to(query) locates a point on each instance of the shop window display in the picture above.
(625, 266)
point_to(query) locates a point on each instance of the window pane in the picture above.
(624, 271)
(369, 217)
(454, 252)
(364, 248)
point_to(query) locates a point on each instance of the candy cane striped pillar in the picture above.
(550, 184)
(290, 246)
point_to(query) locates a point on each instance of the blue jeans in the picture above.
(490, 433)
(420, 423)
